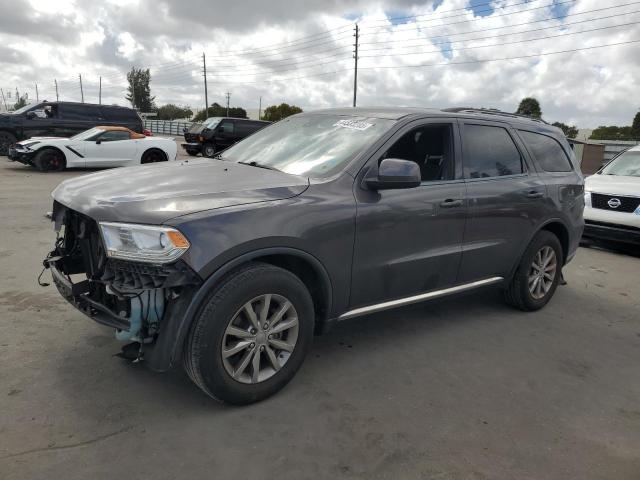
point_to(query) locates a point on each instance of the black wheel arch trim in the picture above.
(51, 147)
(168, 350)
(538, 229)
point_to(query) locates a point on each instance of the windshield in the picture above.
(309, 145)
(24, 109)
(211, 122)
(626, 165)
(87, 134)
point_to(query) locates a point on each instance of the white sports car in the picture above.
(612, 200)
(99, 147)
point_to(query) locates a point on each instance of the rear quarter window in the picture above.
(120, 114)
(79, 112)
(547, 152)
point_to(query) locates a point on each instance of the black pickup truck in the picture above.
(217, 133)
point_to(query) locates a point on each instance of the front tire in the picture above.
(50, 160)
(538, 273)
(251, 336)
(208, 150)
(6, 140)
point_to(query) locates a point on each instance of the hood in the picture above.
(196, 128)
(49, 140)
(153, 194)
(613, 185)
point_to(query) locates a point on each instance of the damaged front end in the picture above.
(109, 284)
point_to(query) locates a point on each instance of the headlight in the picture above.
(143, 243)
(28, 145)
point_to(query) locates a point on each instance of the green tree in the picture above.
(530, 107)
(217, 110)
(22, 101)
(613, 132)
(635, 126)
(173, 112)
(569, 130)
(139, 90)
(278, 112)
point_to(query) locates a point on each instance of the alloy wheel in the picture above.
(53, 161)
(260, 338)
(542, 273)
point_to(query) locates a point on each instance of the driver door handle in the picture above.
(535, 194)
(451, 203)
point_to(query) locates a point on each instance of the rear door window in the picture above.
(547, 152)
(227, 127)
(489, 152)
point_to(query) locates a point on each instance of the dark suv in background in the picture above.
(229, 266)
(217, 133)
(62, 119)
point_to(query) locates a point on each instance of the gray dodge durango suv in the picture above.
(229, 265)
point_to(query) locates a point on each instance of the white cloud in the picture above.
(588, 88)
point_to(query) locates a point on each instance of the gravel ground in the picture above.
(465, 388)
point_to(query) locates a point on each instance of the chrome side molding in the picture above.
(378, 307)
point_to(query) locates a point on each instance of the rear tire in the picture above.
(6, 140)
(224, 324)
(208, 150)
(50, 160)
(153, 156)
(538, 273)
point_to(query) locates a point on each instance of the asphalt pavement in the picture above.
(465, 388)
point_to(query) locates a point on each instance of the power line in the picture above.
(506, 34)
(420, 22)
(438, 64)
(508, 26)
(466, 10)
(466, 62)
(500, 44)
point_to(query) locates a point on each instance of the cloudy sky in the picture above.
(436, 53)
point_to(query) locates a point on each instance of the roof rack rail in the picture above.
(492, 111)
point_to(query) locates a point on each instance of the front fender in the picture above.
(167, 350)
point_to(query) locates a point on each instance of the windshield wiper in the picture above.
(256, 164)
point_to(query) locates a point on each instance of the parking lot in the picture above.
(465, 388)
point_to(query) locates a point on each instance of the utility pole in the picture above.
(81, 90)
(206, 94)
(228, 98)
(37, 96)
(260, 109)
(4, 100)
(355, 72)
(56, 83)
(100, 92)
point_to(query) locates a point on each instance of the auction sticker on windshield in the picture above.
(353, 124)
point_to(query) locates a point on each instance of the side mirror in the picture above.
(31, 115)
(394, 173)
(98, 141)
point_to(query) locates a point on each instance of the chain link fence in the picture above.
(167, 127)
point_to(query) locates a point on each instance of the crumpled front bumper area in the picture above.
(135, 298)
(21, 154)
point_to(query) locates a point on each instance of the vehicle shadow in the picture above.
(165, 394)
(619, 248)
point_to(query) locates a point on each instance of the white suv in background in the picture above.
(612, 200)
